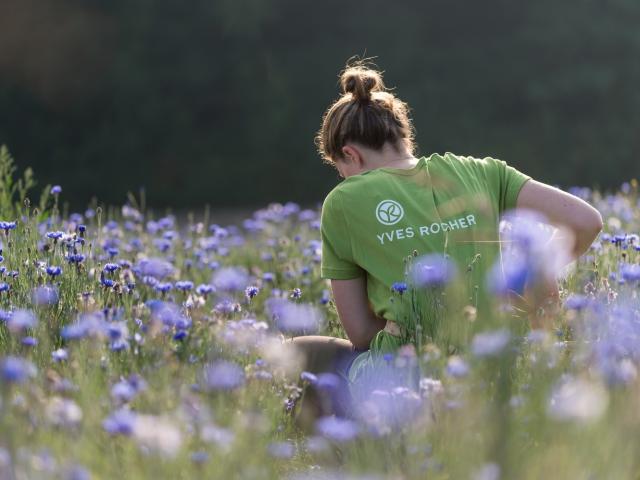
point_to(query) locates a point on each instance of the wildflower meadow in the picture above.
(138, 345)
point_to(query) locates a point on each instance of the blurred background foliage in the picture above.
(217, 101)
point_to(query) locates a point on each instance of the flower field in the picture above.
(134, 346)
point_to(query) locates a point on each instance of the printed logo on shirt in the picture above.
(389, 212)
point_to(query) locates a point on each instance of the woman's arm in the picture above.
(567, 212)
(564, 210)
(352, 303)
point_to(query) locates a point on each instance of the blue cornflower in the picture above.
(325, 297)
(154, 267)
(163, 287)
(82, 228)
(123, 391)
(56, 190)
(184, 285)
(59, 355)
(29, 341)
(489, 344)
(4, 287)
(457, 367)
(199, 457)
(125, 264)
(54, 235)
(337, 429)
(432, 270)
(282, 450)
(309, 377)
(630, 272)
(120, 422)
(399, 287)
(53, 270)
(251, 291)
(16, 369)
(576, 301)
(223, 375)
(180, 335)
(296, 293)
(111, 267)
(76, 258)
(20, 320)
(45, 295)
(230, 279)
(268, 277)
(106, 282)
(6, 226)
(204, 289)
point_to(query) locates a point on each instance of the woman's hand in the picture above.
(352, 303)
(563, 210)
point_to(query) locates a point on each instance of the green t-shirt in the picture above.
(372, 221)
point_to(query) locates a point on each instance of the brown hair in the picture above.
(365, 113)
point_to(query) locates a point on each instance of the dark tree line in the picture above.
(217, 101)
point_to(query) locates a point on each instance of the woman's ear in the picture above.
(353, 155)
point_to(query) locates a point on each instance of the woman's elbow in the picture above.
(589, 229)
(594, 224)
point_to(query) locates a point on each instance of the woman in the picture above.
(392, 203)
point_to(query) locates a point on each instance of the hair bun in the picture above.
(360, 81)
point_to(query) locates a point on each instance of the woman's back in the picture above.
(446, 204)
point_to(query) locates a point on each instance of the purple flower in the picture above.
(45, 295)
(21, 320)
(576, 301)
(296, 293)
(223, 375)
(432, 270)
(268, 277)
(53, 271)
(227, 306)
(55, 235)
(29, 341)
(16, 370)
(120, 422)
(509, 276)
(199, 457)
(56, 190)
(399, 287)
(6, 226)
(204, 289)
(184, 285)
(229, 279)
(251, 291)
(123, 391)
(163, 287)
(308, 377)
(489, 344)
(457, 367)
(630, 272)
(154, 267)
(110, 267)
(337, 429)
(282, 450)
(59, 355)
(295, 318)
(76, 258)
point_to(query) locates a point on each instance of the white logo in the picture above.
(389, 212)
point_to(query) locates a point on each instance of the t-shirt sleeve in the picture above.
(337, 258)
(504, 180)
